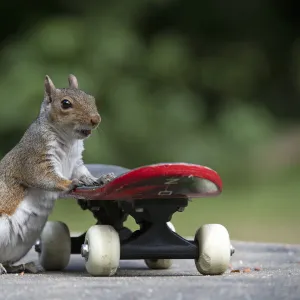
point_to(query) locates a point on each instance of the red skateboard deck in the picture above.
(166, 180)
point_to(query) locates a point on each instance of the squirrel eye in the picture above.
(65, 104)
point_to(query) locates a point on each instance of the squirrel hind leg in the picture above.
(29, 267)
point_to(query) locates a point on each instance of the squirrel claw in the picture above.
(2, 270)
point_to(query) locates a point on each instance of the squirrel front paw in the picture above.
(106, 178)
(87, 180)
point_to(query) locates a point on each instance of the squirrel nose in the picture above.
(95, 120)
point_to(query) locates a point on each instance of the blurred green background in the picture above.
(215, 83)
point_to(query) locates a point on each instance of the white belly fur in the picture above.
(19, 232)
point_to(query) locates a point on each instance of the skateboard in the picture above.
(151, 195)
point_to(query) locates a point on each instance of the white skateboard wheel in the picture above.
(55, 246)
(160, 264)
(101, 250)
(214, 249)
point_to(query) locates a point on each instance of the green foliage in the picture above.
(153, 91)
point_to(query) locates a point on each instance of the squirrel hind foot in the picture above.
(29, 267)
(33, 268)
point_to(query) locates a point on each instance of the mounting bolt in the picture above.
(232, 250)
(37, 246)
(95, 208)
(85, 251)
(139, 209)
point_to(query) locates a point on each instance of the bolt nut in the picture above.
(85, 251)
(37, 246)
(95, 208)
(232, 250)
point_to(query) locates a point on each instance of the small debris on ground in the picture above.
(20, 274)
(235, 271)
(244, 270)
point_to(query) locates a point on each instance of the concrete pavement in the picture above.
(279, 278)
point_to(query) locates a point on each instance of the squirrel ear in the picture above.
(49, 87)
(73, 83)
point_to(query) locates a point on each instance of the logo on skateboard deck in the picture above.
(168, 182)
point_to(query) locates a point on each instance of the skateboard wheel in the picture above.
(214, 249)
(101, 250)
(160, 264)
(54, 246)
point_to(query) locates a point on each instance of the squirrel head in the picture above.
(70, 110)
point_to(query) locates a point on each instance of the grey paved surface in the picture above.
(279, 278)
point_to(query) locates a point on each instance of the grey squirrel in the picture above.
(46, 163)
